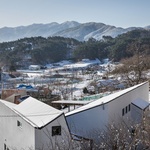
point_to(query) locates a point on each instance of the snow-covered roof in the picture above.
(35, 112)
(63, 62)
(34, 66)
(103, 100)
(70, 102)
(78, 65)
(8, 104)
(140, 103)
(83, 64)
(108, 82)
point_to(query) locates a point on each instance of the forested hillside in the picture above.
(39, 50)
(36, 50)
(123, 46)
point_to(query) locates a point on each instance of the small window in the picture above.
(5, 147)
(129, 108)
(123, 112)
(126, 109)
(56, 130)
(19, 124)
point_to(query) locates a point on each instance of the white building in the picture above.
(34, 67)
(96, 115)
(85, 63)
(32, 125)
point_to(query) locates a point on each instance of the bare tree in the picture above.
(133, 70)
(130, 136)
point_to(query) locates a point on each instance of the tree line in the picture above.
(53, 49)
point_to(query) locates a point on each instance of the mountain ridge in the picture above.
(68, 29)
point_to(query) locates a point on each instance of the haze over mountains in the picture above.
(70, 29)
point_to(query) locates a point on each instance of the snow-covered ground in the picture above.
(68, 79)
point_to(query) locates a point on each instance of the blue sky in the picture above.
(120, 13)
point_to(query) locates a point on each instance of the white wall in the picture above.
(26, 136)
(116, 106)
(44, 138)
(89, 122)
(137, 113)
(12, 135)
(96, 119)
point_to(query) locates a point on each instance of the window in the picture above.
(126, 109)
(129, 107)
(19, 124)
(56, 130)
(4, 146)
(123, 112)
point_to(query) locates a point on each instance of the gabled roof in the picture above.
(140, 103)
(35, 112)
(8, 104)
(103, 100)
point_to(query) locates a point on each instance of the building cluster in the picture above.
(27, 123)
(66, 106)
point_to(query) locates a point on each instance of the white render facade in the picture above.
(32, 125)
(96, 115)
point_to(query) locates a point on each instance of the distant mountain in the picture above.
(70, 29)
(147, 27)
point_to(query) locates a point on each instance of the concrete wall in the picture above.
(14, 136)
(45, 140)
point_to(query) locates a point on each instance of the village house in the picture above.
(97, 115)
(32, 125)
(34, 67)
